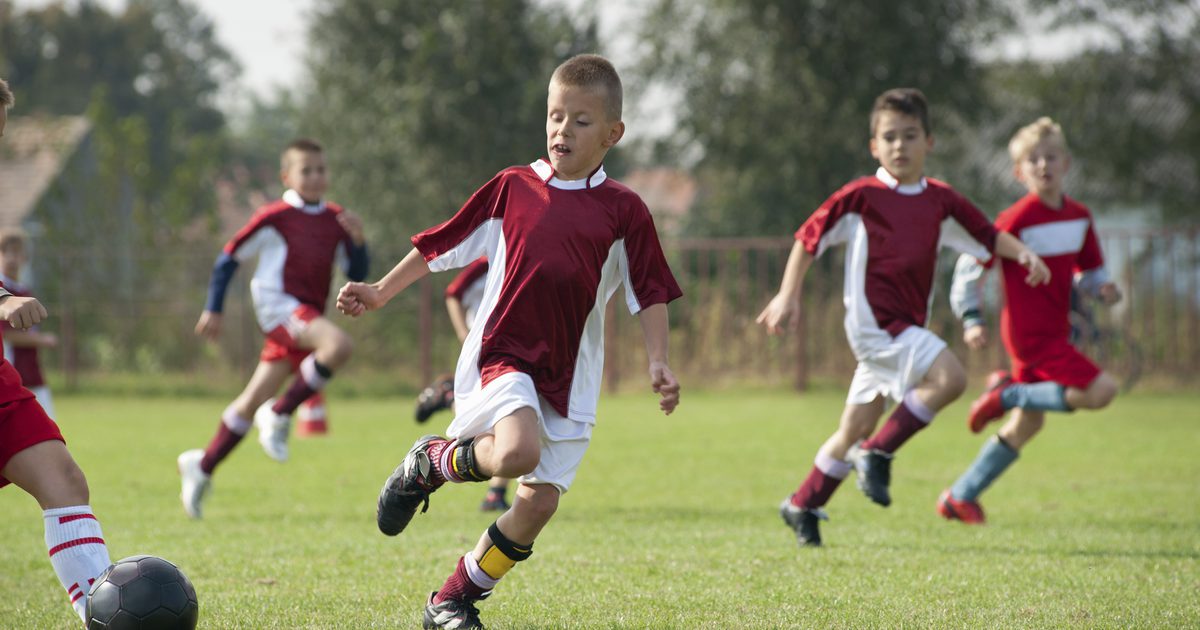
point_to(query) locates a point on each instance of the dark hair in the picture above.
(908, 101)
(303, 145)
(592, 71)
(6, 96)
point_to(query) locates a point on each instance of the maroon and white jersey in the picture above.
(24, 359)
(892, 234)
(467, 288)
(1066, 241)
(10, 382)
(558, 250)
(297, 246)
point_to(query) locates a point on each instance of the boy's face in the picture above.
(578, 131)
(1043, 168)
(900, 144)
(11, 258)
(305, 174)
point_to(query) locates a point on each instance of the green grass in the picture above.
(672, 522)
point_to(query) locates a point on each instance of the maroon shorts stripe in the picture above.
(74, 517)
(75, 543)
(73, 587)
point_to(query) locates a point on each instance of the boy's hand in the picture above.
(353, 224)
(1039, 273)
(21, 312)
(1109, 294)
(665, 385)
(976, 337)
(781, 308)
(357, 298)
(209, 325)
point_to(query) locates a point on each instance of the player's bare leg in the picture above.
(508, 541)
(73, 538)
(1098, 395)
(196, 466)
(513, 450)
(331, 348)
(943, 383)
(802, 510)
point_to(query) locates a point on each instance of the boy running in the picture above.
(893, 224)
(561, 238)
(1048, 373)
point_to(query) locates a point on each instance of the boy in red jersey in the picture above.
(1048, 373)
(298, 240)
(893, 224)
(560, 237)
(21, 346)
(34, 456)
(463, 297)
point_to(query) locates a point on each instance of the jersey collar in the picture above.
(293, 199)
(546, 173)
(904, 189)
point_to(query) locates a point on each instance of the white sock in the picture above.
(77, 550)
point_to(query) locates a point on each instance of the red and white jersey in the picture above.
(558, 250)
(467, 288)
(24, 359)
(10, 381)
(297, 246)
(1066, 241)
(892, 234)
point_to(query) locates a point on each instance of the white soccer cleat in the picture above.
(195, 482)
(273, 431)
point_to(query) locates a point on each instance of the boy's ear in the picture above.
(615, 133)
(874, 149)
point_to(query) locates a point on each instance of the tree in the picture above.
(775, 96)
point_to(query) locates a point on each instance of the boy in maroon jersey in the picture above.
(298, 240)
(1048, 373)
(463, 297)
(21, 346)
(561, 238)
(34, 456)
(893, 224)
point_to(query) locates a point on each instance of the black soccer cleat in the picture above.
(874, 470)
(409, 486)
(805, 522)
(435, 398)
(452, 613)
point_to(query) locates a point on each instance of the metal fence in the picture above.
(143, 323)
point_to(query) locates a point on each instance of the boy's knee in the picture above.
(953, 382)
(541, 505)
(517, 461)
(1102, 392)
(342, 347)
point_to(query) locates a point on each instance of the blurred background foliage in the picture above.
(763, 104)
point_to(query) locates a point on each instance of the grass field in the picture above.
(672, 522)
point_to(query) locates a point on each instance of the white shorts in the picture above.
(564, 441)
(42, 393)
(890, 366)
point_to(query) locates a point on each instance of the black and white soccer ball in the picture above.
(142, 593)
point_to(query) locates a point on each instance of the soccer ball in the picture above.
(142, 593)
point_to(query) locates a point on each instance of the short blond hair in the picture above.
(6, 96)
(593, 71)
(1028, 136)
(13, 236)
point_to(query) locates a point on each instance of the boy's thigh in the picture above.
(564, 443)
(318, 331)
(478, 412)
(23, 423)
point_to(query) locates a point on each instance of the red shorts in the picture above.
(280, 343)
(1057, 361)
(23, 423)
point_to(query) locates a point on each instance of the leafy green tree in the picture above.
(775, 96)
